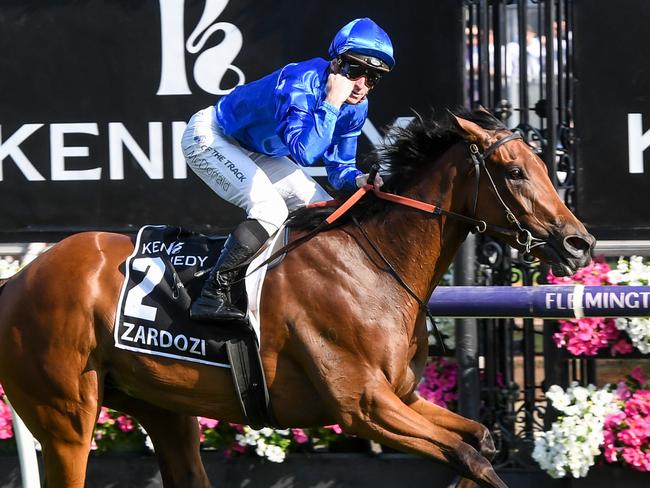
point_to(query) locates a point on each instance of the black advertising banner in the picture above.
(94, 97)
(613, 117)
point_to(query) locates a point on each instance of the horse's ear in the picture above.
(474, 131)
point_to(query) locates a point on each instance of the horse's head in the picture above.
(518, 201)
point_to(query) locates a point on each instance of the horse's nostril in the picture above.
(578, 245)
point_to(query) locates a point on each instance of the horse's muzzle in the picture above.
(566, 254)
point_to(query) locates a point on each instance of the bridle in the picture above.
(522, 236)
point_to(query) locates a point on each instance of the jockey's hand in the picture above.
(338, 89)
(362, 180)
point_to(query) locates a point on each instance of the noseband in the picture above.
(522, 235)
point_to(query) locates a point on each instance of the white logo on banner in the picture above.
(638, 141)
(211, 65)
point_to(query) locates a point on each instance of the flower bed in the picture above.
(589, 336)
(607, 425)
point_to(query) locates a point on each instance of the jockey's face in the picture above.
(360, 89)
(359, 92)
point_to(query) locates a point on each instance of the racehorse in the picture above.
(343, 338)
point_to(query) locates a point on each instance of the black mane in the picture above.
(407, 149)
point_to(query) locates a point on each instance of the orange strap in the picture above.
(356, 196)
(326, 203)
(409, 202)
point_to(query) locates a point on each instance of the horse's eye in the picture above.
(515, 173)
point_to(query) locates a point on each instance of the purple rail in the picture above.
(545, 301)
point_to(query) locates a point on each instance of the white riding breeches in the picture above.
(267, 188)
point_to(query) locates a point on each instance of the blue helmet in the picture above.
(363, 36)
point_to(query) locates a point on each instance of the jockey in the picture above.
(248, 148)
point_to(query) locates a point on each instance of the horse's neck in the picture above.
(420, 246)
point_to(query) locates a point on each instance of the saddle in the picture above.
(163, 276)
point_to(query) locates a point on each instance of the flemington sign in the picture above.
(95, 96)
(547, 301)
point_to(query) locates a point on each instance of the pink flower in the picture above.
(622, 347)
(622, 391)
(627, 432)
(633, 457)
(104, 416)
(586, 336)
(6, 425)
(593, 275)
(438, 383)
(125, 423)
(615, 418)
(629, 437)
(239, 428)
(611, 454)
(637, 375)
(299, 436)
(334, 428)
(238, 447)
(207, 423)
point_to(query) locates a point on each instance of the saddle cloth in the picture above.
(152, 315)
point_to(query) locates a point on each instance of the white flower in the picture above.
(274, 453)
(638, 330)
(615, 277)
(149, 444)
(266, 431)
(559, 400)
(580, 394)
(249, 437)
(8, 266)
(269, 451)
(260, 448)
(636, 273)
(573, 442)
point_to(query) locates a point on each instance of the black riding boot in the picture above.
(214, 303)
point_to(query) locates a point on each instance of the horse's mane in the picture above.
(2, 282)
(405, 152)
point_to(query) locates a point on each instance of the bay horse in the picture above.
(342, 340)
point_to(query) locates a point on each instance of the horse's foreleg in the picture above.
(175, 438)
(474, 433)
(381, 416)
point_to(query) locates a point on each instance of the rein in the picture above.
(395, 274)
(522, 235)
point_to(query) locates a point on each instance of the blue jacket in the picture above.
(284, 114)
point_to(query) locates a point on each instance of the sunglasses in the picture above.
(353, 71)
